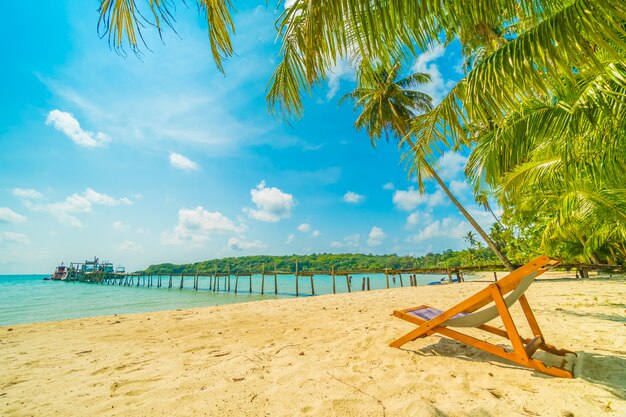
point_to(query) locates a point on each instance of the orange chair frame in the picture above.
(523, 348)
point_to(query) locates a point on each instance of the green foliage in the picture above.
(542, 104)
(324, 262)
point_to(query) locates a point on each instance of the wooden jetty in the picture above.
(233, 281)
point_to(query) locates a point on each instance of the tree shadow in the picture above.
(615, 278)
(602, 316)
(609, 371)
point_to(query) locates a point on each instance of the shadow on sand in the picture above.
(609, 371)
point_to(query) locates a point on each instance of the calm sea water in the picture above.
(28, 298)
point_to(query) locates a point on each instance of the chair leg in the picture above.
(509, 325)
(409, 337)
(534, 326)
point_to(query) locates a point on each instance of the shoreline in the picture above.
(323, 355)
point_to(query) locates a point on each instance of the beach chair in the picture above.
(470, 313)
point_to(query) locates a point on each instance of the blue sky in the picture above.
(164, 159)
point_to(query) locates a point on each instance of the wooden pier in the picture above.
(341, 280)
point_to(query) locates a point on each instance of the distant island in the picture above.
(326, 261)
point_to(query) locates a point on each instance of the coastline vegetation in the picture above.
(326, 261)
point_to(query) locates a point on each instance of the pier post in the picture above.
(368, 283)
(312, 286)
(363, 284)
(296, 278)
(275, 280)
(170, 285)
(250, 283)
(348, 284)
(401, 283)
(236, 282)
(182, 277)
(387, 277)
(332, 273)
(262, 279)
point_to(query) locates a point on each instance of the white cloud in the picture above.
(451, 166)
(120, 227)
(448, 227)
(341, 70)
(353, 198)
(128, 246)
(459, 188)
(375, 237)
(77, 203)
(351, 241)
(437, 88)
(104, 199)
(66, 123)
(9, 216)
(27, 193)
(290, 239)
(304, 228)
(411, 198)
(419, 218)
(10, 237)
(315, 233)
(272, 204)
(389, 186)
(182, 162)
(241, 244)
(195, 226)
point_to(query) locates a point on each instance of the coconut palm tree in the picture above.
(540, 74)
(388, 102)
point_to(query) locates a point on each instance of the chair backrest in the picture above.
(481, 317)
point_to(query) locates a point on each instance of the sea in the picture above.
(30, 299)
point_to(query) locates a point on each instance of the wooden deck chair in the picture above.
(468, 313)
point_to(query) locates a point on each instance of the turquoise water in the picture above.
(28, 298)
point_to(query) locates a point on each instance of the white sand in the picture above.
(318, 356)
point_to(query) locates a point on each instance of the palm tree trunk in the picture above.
(492, 245)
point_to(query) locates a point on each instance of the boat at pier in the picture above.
(60, 273)
(89, 271)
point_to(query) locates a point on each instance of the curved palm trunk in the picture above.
(492, 245)
(494, 216)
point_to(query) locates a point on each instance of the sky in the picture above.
(161, 158)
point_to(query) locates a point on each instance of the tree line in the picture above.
(326, 261)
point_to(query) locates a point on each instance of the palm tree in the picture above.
(482, 198)
(541, 75)
(388, 103)
(470, 238)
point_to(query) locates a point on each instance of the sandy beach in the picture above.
(315, 356)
